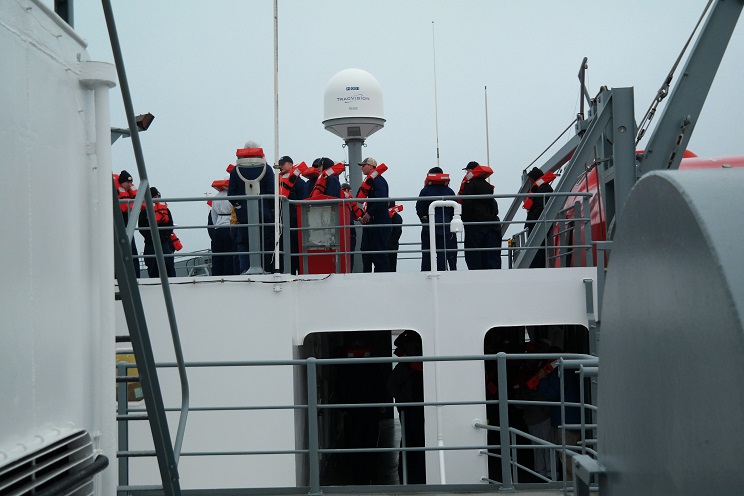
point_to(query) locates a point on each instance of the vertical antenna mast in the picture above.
(436, 111)
(488, 148)
(277, 226)
(276, 82)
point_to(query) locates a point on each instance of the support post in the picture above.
(312, 427)
(506, 478)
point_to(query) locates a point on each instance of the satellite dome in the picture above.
(353, 104)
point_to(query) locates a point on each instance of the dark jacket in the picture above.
(442, 216)
(333, 187)
(379, 210)
(550, 388)
(236, 187)
(163, 218)
(538, 204)
(480, 209)
(298, 192)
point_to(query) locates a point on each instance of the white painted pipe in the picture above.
(100, 77)
(455, 226)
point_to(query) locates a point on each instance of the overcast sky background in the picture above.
(205, 70)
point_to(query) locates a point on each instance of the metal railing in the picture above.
(568, 243)
(512, 440)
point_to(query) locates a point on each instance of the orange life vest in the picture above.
(534, 381)
(221, 184)
(124, 194)
(320, 185)
(249, 153)
(394, 209)
(311, 172)
(356, 212)
(436, 178)
(546, 178)
(366, 186)
(162, 214)
(288, 180)
(481, 171)
(176, 242)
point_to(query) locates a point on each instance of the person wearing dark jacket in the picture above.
(535, 211)
(332, 183)
(350, 220)
(236, 187)
(375, 238)
(482, 241)
(163, 218)
(406, 385)
(396, 231)
(446, 241)
(550, 388)
(296, 192)
(125, 190)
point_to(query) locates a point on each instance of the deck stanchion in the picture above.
(506, 479)
(404, 453)
(122, 408)
(312, 427)
(287, 234)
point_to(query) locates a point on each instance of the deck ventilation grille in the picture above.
(34, 473)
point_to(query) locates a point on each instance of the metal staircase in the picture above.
(167, 454)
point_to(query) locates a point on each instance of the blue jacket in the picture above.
(236, 187)
(442, 216)
(333, 187)
(298, 192)
(379, 210)
(550, 388)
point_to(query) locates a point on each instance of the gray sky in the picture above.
(205, 70)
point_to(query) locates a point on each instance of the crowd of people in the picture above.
(230, 223)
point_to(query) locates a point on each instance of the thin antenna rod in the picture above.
(276, 82)
(436, 111)
(488, 147)
(277, 220)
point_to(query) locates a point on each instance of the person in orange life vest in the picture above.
(406, 385)
(236, 187)
(437, 185)
(332, 183)
(482, 241)
(163, 218)
(346, 193)
(540, 184)
(377, 214)
(218, 222)
(396, 232)
(535, 416)
(550, 388)
(298, 191)
(125, 189)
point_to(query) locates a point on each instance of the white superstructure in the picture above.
(57, 298)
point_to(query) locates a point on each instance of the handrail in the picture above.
(578, 214)
(574, 362)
